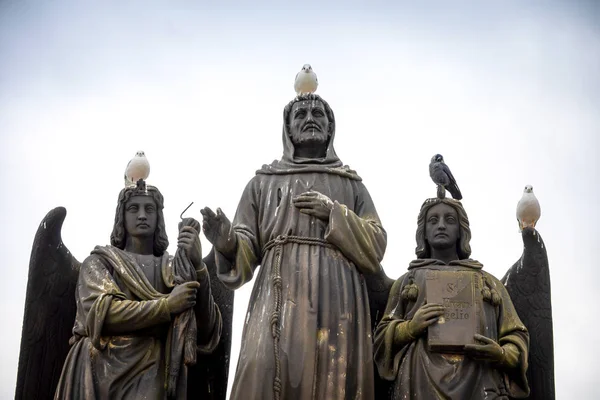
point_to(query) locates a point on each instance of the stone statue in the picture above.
(490, 363)
(143, 319)
(310, 223)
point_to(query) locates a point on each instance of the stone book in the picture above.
(460, 294)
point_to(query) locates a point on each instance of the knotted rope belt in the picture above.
(278, 243)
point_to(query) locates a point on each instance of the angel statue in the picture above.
(453, 331)
(143, 322)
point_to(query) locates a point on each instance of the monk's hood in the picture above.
(288, 164)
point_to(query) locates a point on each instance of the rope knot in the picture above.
(281, 239)
(275, 319)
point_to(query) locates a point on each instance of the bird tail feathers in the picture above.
(455, 192)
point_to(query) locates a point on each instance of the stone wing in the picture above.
(378, 287)
(208, 378)
(528, 284)
(49, 311)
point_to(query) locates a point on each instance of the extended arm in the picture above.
(237, 252)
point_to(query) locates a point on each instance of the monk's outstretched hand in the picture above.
(218, 230)
(314, 203)
(426, 315)
(489, 351)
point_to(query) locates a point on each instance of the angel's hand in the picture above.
(189, 241)
(315, 204)
(489, 351)
(182, 297)
(426, 315)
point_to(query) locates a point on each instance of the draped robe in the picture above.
(122, 325)
(420, 374)
(324, 348)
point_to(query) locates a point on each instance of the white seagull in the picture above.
(306, 81)
(137, 168)
(528, 209)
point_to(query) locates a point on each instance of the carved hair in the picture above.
(309, 97)
(118, 235)
(463, 248)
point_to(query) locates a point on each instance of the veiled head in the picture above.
(463, 248)
(135, 196)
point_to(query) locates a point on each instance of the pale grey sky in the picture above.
(508, 94)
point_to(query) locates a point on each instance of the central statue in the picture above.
(310, 222)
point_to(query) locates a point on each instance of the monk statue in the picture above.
(309, 221)
(450, 330)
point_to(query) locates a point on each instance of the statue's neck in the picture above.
(445, 255)
(139, 245)
(310, 150)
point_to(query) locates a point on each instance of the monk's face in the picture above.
(140, 216)
(309, 122)
(442, 229)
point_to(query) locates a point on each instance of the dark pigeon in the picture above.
(443, 178)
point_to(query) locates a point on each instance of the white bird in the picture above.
(528, 209)
(137, 168)
(306, 81)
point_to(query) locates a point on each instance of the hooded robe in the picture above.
(420, 374)
(307, 332)
(119, 347)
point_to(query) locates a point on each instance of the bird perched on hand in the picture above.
(443, 178)
(528, 209)
(306, 81)
(137, 168)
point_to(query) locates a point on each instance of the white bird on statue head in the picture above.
(137, 168)
(306, 81)
(528, 209)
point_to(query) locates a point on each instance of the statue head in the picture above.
(453, 233)
(309, 122)
(140, 213)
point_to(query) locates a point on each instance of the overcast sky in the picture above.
(510, 95)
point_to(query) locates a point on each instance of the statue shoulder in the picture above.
(491, 277)
(493, 280)
(93, 261)
(96, 262)
(401, 281)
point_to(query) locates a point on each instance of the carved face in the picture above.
(442, 229)
(309, 122)
(140, 216)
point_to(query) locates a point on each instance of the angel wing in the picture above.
(208, 378)
(49, 310)
(528, 284)
(378, 288)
